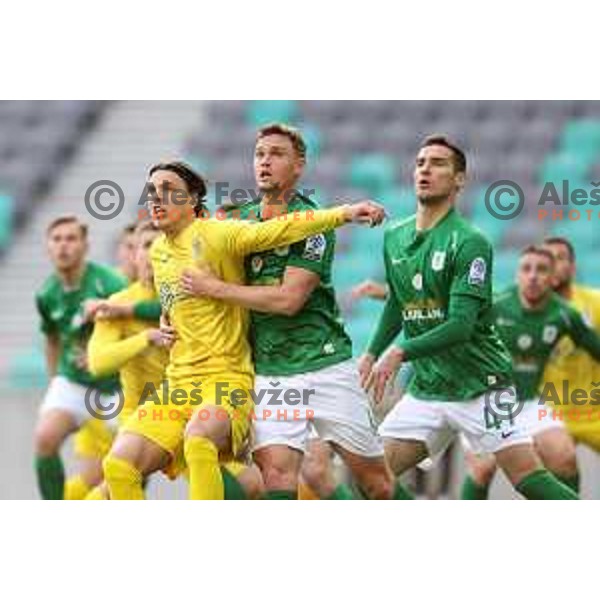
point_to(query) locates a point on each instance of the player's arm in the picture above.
(286, 298)
(144, 310)
(370, 289)
(581, 334)
(245, 238)
(108, 351)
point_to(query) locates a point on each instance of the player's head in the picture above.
(67, 241)
(535, 273)
(175, 194)
(440, 170)
(145, 234)
(126, 251)
(564, 261)
(279, 158)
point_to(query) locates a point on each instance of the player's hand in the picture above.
(114, 310)
(369, 289)
(366, 212)
(200, 282)
(167, 331)
(80, 359)
(384, 371)
(91, 308)
(157, 338)
(365, 366)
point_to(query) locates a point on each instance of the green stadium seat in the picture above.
(6, 220)
(558, 167)
(262, 112)
(313, 139)
(373, 173)
(28, 370)
(505, 269)
(581, 135)
(399, 201)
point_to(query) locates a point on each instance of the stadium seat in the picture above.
(262, 112)
(505, 268)
(581, 135)
(373, 173)
(558, 167)
(28, 370)
(6, 220)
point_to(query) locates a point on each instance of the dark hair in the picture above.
(128, 230)
(459, 158)
(565, 242)
(291, 133)
(196, 184)
(539, 250)
(64, 219)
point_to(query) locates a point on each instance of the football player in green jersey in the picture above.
(439, 272)
(301, 348)
(66, 308)
(531, 320)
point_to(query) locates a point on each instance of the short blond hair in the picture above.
(65, 219)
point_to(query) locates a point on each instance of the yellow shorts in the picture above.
(164, 421)
(93, 440)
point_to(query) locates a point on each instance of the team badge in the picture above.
(418, 281)
(477, 272)
(256, 264)
(314, 247)
(550, 334)
(438, 260)
(524, 342)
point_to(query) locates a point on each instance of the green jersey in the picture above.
(315, 337)
(61, 313)
(440, 283)
(532, 335)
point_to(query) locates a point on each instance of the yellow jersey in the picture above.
(212, 336)
(572, 364)
(122, 345)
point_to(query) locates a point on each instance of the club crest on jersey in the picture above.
(477, 271)
(524, 342)
(418, 281)
(550, 334)
(256, 264)
(314, 247)
(438, 260)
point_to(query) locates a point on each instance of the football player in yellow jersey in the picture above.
(93, 441)
(571, 364)
(208, 406)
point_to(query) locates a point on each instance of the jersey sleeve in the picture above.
(47, 326)
(244, 238)
(473, 269)
(583, 335)
(314, 254)
(113, 281)
(108, 352)
(147, 310)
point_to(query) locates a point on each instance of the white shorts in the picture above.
(332, 402)
(436, 424)
(69, 396)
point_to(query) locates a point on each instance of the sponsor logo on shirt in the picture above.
(550, 334)
(524, 341)
(418, 281)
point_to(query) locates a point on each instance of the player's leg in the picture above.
(481, 470)
(100, 492)
(556, 448)
(510, 442)
(53, 427)
(146, 443)
(241, 481)
(279, 465)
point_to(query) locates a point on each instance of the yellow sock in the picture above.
(202, 457)
(76, 488)
(305, 492)
(123, 480)
(98, 493)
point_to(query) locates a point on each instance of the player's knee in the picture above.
(314, 469)
(562, 463)
(210, 424)
(47, 442)
(279, 475)
(376, 484)
(117, 470)
(483, 470)
(251, 481)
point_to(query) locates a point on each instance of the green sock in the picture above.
(572, 482)
(542, 485)
(232, 487)
(401, 493)
(342, 492)
(50, 476)
(471, 490)
(281, 495)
